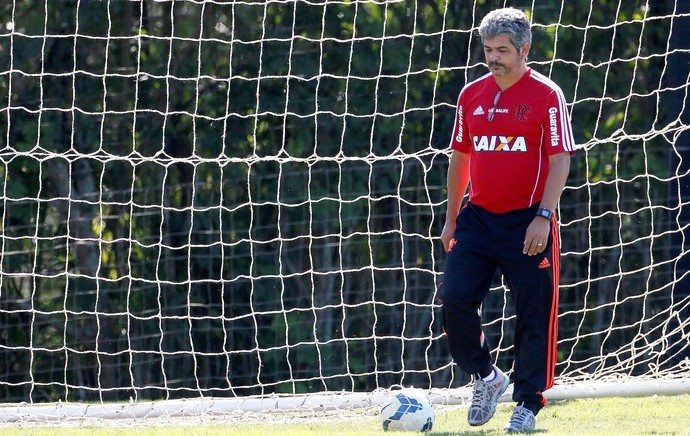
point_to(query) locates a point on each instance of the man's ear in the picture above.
(524, 51)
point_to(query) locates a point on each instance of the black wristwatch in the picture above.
(545, 213)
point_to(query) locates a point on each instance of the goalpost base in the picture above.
(237, 407)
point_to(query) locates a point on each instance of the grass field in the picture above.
(669, 415)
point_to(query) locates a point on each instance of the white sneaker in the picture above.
(522, 420)
(485, 395)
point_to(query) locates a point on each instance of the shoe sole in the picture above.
(505, 388)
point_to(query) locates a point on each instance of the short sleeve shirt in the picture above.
(509, 137)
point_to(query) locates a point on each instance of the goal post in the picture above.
(212, 207)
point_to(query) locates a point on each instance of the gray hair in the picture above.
(512, 21)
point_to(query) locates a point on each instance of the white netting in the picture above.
(244, 199)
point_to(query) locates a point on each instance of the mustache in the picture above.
(495, 64)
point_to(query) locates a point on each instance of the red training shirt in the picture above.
(509, 156)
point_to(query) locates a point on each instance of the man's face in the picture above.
(501, 55)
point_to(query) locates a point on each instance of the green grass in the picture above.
(669, 415)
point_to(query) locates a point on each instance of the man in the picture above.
(511, 143)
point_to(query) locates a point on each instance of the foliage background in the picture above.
(243, 198)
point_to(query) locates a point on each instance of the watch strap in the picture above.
(545, 213)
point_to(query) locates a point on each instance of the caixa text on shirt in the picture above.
(500, 143)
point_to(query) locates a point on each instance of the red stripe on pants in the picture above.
(552, 354)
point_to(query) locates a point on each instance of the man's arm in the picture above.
(458, 179)
(538, 231)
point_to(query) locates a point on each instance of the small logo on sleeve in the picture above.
(553, 126)
(458, 137)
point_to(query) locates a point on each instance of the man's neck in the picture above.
(508, 80)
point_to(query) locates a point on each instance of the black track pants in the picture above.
(485, 242)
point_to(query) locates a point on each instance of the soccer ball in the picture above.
(407, 409)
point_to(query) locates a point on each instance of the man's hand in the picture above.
(458, 178)
(447, 234)
(537, 236)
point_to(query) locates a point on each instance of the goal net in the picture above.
(242, 201)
